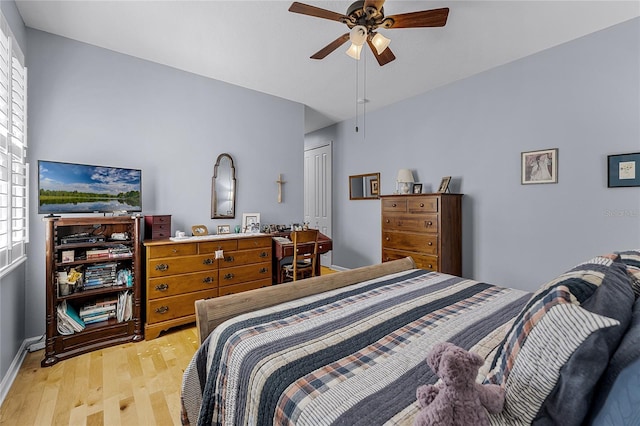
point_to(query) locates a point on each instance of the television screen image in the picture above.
(83, 188)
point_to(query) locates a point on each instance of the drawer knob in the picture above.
(207, 280)
(421, 204)
(429, 243)
(394, 205)
(207, 261)
(264, 270)
(429, 223)
(264, 254)
(162, 310)
(228, 276)
(388, 221)
(162, 287)
(229, 259)
(388, 239)
(430, 266)
(162, 267)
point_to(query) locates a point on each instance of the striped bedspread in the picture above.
(350, 356)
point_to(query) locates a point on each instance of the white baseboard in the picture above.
(12, 372)
(338, 268)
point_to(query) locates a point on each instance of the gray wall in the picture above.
(91, 105)
(582, 97)
(12, 291)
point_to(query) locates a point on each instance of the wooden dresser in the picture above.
(427, 227)
(180, 272)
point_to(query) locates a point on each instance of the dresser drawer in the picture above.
(239, 274)
(172, 307)
(245, 257)
(427, 262)
(212, 246)
(255, 242)
(422, 205)
(407, 222)
(171, 266)
(179, 284)
(238, 288)
(172, 250)
(394, 205)
(424, 243)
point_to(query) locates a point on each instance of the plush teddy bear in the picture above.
(457, 400)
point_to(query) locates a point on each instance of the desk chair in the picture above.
(303, 262)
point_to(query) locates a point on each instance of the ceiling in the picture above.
(261, 46)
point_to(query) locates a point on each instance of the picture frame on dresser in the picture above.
(417, 188)
(539, 166)
(224, 229)
(444, 185)
(250, 223)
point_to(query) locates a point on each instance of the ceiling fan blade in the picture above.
(373, 3)
(385, 57)
(424, 18)
(322, 53)
(306, 9)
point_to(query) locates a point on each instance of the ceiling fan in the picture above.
(363, 18)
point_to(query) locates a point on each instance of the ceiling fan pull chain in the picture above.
(357, 88)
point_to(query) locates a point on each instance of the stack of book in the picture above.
(69, 321)
(100, 275)
(125, 306)
(99, 310)
(119, 250)
(97, 254)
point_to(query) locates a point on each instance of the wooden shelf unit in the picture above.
(102, 334)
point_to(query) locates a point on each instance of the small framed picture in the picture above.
(373, 186)
(539, 166)
(224, 229)
(250, 223)
(68, 256)
(623, 170)
(417, 188)
(444, 185)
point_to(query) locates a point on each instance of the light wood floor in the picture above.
(130, 384)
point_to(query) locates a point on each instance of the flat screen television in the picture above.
(83, 188)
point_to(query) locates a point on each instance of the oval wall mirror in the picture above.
(223, 188)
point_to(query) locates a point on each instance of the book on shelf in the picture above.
(90, 311)
(125, 306)
(99, 318)
(69, 321)
(97, 254)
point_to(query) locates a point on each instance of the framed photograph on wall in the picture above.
(373, 187)
(539, 166)
(623, 170)
(250, 223)
(444, 185)
(417, 188)
(224, 229)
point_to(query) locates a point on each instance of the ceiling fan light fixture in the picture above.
(358, 35)
(354, 51)
(380, 42)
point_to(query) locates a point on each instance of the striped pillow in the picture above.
(570, 325)
(631, 258)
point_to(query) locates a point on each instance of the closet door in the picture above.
(317, 192)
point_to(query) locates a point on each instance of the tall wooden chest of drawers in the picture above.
(180, 272)
(427, 227)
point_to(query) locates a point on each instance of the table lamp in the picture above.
(405, 177)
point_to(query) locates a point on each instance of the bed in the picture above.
(350, 348)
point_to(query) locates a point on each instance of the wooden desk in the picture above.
(282, 250)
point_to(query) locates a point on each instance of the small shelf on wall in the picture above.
(364, 187)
